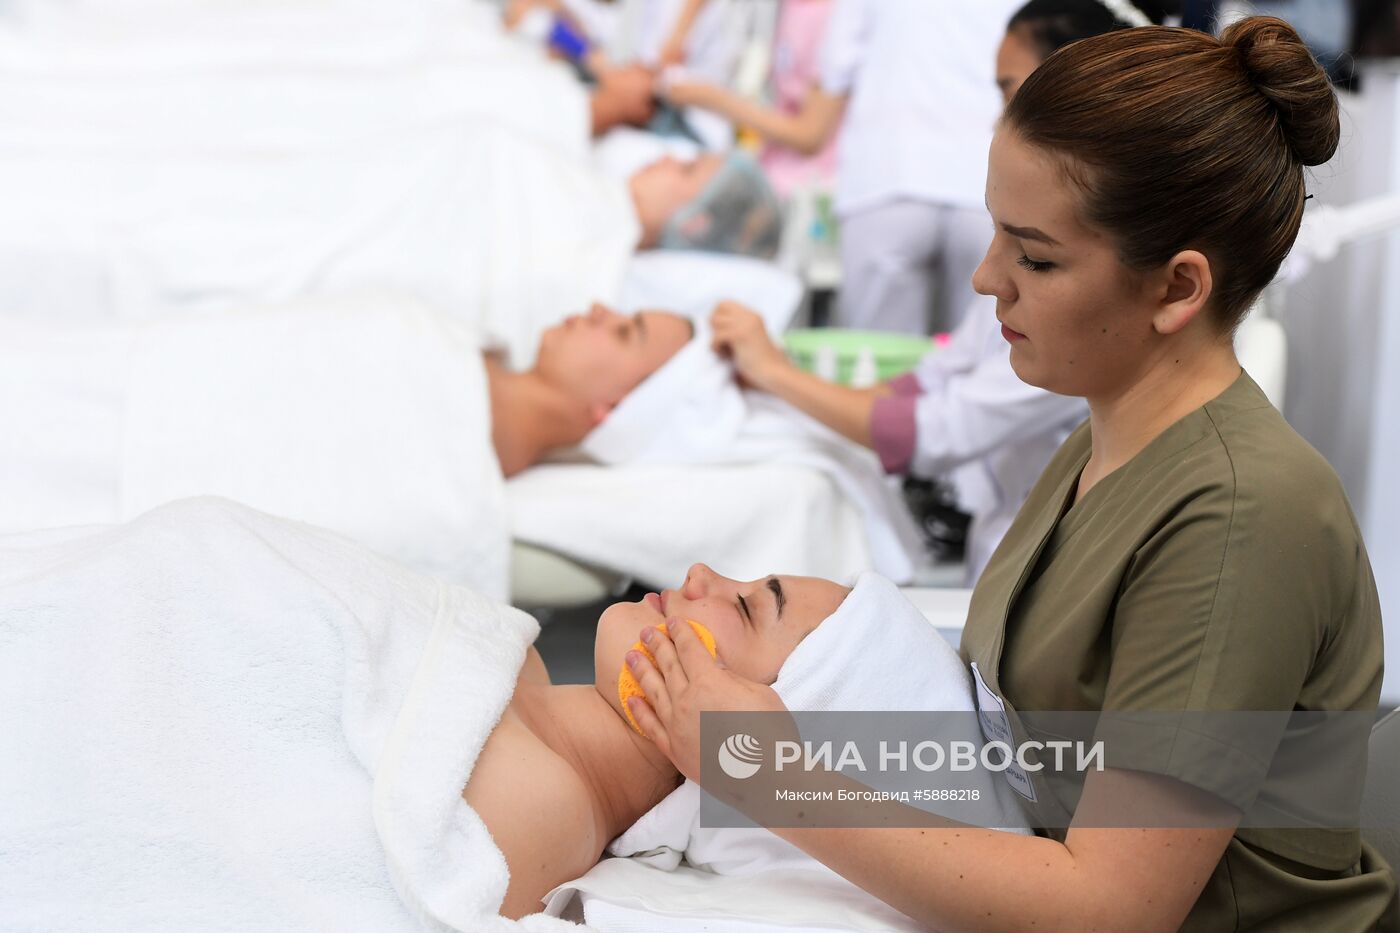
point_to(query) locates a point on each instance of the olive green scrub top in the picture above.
(1219, 569)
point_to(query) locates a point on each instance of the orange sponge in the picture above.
(627, 685)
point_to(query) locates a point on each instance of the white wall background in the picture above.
(1343, 324)
(1381, 513)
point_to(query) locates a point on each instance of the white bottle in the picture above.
(866, 372)
(824, 362)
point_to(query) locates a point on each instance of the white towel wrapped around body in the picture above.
(283, 73)
(365, 414)
(211, 718)
(495, 229)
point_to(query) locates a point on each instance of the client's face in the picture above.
(756, 624)
(667, 185)
(600, 356)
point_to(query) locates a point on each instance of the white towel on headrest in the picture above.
(691, 412)
(875, 653)
(686, 412)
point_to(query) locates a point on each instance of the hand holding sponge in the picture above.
(627, 686)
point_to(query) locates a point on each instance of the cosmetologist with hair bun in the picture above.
(1185, 550)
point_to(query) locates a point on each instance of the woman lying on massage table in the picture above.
(275, 727)
(585, 366)
(712, 203)
(570, 753)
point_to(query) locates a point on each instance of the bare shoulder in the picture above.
(538, 810)
(533, 670)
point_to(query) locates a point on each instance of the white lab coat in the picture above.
(923, 97)
(984, 429)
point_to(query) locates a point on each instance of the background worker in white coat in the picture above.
(913, 79)
(964, 414)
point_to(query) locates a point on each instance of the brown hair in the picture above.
(1179, 140)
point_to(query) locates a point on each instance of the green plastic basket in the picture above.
(895, 354)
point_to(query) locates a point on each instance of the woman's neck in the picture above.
(1177, 384)
(625, 772)
(530, 417)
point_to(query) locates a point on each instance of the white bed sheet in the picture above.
(625, 896)
(653, 523)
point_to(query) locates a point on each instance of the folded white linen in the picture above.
(692, 411)
(367, 414)
(211, 718)
(875, 653)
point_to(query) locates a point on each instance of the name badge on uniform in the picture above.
(996, 727)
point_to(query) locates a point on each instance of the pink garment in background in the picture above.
(796, 70)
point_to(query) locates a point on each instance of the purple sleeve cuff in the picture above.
(907, 384)
(892, 431)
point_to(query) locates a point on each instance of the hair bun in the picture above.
(1282, 69)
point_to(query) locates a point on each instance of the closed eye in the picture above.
(1032, 265)
(744, 610)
